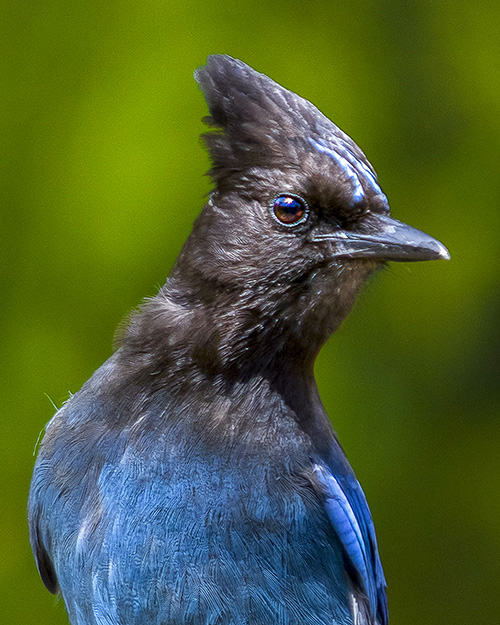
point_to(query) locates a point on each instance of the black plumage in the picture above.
(195, 478)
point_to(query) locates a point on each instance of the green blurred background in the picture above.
(102, 177)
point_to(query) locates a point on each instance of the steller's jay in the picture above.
(195, 479)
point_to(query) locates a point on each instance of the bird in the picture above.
(195, 478)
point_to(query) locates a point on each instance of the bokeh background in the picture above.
(102, 177)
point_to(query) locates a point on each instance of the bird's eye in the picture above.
(289, 209)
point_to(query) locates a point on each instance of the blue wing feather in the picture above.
(350, 516)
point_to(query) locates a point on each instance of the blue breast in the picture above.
(151, 529)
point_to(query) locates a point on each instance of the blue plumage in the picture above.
(350, 516)
(195, 479)
(161, 522)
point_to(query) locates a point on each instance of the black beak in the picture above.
(388, 239)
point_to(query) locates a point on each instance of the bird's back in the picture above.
(158, 520)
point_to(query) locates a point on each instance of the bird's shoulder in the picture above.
(349, 513)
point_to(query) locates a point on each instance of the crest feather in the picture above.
(256, 122)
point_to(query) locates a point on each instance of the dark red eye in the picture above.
(289, 210)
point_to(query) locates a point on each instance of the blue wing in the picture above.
(350, 516)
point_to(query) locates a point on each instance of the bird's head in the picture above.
(296, 221)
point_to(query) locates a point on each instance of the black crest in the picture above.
(259, 123)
